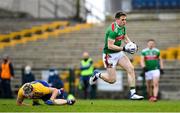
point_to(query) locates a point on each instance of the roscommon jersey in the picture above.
(115, 32)
(39, 90)
(151, 58)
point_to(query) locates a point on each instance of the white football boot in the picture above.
(94, 77)
(136, 97)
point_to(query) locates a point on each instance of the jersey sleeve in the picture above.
(142, 53)
(158, 53)
(110, 31)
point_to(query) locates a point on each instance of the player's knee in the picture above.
(156, 85)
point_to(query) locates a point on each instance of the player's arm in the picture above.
(126, 39)
(55, 93)
(55, 101)
(20, 99)
(161, 66)
(112, 46)
(142, 61)
(20, 102)
(161, 63)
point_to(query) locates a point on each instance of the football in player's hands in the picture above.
(130, 48)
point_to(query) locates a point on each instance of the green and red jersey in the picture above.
(151, 58)
(116, 33)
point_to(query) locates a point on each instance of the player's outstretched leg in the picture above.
(94, 77)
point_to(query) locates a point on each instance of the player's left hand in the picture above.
(49, 102)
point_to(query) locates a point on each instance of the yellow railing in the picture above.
(53, 29)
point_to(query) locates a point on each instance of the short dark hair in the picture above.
(119, 14)
(150, 40)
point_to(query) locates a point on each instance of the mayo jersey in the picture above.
(39, 90)
(151, 58)
(116, 33)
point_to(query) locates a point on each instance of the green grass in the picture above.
(7, 105)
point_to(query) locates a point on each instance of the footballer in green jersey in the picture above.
(113, 55)
(114, 32)
(151, 63)
(151, 58)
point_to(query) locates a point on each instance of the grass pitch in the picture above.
(7, 105)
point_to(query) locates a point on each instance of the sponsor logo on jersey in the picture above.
(154, 57)
(119, 37)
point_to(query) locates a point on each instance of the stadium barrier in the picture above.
(99, 64)
(136, 60)
(172, 53)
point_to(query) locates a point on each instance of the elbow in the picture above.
(109, 46)
(112, 81)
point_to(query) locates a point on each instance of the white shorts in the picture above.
(111, 60)
(152, 74)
